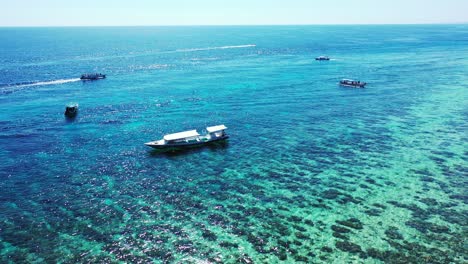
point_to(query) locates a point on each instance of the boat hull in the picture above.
(185, 145)
(71, 111)
(71, 114)
(92, 77)
(353, 86)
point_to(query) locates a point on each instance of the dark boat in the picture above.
(92, 76)
(322, 58)
(352, 83)
(190, 138)
(71, 110)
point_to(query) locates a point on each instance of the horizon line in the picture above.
(235, 25)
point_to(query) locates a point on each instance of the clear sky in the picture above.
(229, 12)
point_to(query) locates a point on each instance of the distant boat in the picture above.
(352, 83)
(322, 58)
(71, 110)
(190, 138)
(92, 76)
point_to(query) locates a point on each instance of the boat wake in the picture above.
(9, 88)
(152, 53)
(62, 81)
(218, 48)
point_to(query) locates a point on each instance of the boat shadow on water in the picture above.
(70, 119)
(174, 152)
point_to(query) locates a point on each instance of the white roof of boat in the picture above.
(215, 128)
(180, 135)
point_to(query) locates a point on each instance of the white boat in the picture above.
(92, 76)
(190, 138)
(352, 83)
(322, 58)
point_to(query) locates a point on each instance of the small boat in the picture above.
(92, 76)
(322, 58)
(352, 83)
(71, 110)
(190, 138)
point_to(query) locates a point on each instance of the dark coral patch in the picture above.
(282, 229)
(295, 219)
(460, 197)
(377, 254)
(349, 199)
(301, 259)
(300, 228)
(415, 210)
(331, 194)
(340, 229)
(326, 249)
(284, 244)
(369, 180)
(381, 206)
(208, 235)
(227, 244)
(301, 235)
(352, 223)
(297, 243)
(348, 247)
(373, 212)
(424, 226)
(429, 201)
(393, 233)
(340, 236)
(281, 254)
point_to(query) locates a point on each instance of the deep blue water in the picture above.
(313, 172)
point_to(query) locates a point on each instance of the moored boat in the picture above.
(92, 76)
(352, 83)
(190, 138)
(71, 110)
(322, 58)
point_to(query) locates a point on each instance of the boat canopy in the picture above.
(181, 135)
(72, 105)
(216, 128)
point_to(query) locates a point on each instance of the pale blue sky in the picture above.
(229, 12)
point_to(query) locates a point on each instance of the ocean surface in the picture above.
(312, 173)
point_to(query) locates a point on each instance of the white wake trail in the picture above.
(62, 81)
(218, 48)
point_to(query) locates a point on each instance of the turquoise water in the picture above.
(312, 173)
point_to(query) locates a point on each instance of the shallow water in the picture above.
(312, 173)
